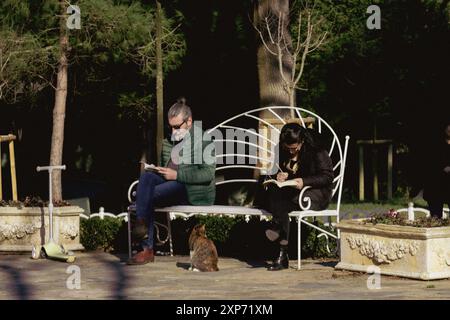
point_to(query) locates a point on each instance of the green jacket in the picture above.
(195, 171)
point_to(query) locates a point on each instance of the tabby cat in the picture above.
(203, 251)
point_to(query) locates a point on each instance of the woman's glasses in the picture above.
(292, 149)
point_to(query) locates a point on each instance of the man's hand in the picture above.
(299, 183)
(282, 176)
(167, 173)
(447, 169)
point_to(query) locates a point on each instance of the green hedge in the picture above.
(218, 228)
(96, 233)
(223, 231)
(233, 236)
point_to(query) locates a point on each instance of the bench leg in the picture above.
(299, 243)
(129, 234)
(169, 228)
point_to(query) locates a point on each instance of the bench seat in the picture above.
(215, 209)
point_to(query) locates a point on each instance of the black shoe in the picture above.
(282, 262)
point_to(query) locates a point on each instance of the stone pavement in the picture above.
(104, 276)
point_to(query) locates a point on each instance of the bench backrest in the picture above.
(244, 159)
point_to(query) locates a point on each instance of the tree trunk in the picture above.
(146, 150)
(59, 109)
(272, 90)
(159, 85)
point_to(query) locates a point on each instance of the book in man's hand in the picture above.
(287, 183)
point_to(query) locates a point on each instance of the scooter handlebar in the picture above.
(50, 168)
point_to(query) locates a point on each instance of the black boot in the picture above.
(282, 262)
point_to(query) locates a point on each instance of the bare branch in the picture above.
(305, 51)
(268, 30)
(264, 41)
(281, 53)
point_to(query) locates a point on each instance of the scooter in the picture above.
(51, 249)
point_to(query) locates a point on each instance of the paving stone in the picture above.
(106, 276)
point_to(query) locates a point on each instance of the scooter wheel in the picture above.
(43, 254)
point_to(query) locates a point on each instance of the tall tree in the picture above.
(35, 54)
(308, 35)
(59, 109)
(159, 83)
(272, 91)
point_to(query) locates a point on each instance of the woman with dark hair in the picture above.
(300, 158)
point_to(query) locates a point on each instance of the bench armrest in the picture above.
(303, 199)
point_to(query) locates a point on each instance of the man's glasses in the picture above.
(177, 127)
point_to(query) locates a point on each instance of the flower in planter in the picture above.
(392, 213)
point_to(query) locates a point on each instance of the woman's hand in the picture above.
(299, 183)
(447, 169)
(282, 176)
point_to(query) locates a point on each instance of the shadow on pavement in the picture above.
(121, 275)
(20, 289)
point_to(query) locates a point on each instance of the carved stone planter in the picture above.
(20, 229)
(419, 253)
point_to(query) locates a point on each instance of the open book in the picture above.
(287, 183)
(150, 167)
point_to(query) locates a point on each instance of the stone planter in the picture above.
(419, 253)
(20, 229)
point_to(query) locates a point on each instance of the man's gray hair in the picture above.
(180, 107)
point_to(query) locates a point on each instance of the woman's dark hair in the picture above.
(294, 133)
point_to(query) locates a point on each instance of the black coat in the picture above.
(314, 167)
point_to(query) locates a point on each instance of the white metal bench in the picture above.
(335, 150)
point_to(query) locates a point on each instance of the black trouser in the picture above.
(436, 207)
(436, 193)
(281, 201)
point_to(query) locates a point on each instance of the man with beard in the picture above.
(186, 177)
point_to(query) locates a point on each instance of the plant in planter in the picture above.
(25, 223)
(417, 249)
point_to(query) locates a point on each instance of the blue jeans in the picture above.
(154, 191)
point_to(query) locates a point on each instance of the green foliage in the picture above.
(22, 63)
(112, 33)
(127, 33)
(218, 228)
(317, 247)
(97, 233)
(135, 107)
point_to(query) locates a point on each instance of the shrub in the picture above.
(97, 233)
(218, 228)
(315, 247)
(236, 237)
